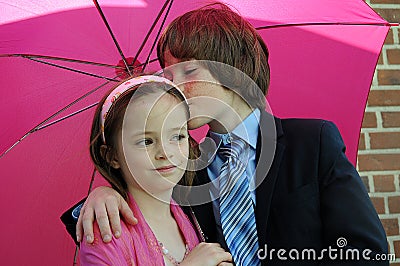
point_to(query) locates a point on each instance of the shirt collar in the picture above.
(247, 131)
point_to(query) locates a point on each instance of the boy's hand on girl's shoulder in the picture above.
(105, 205)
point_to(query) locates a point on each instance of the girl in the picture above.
(140, 144)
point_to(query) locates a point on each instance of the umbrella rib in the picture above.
(71, 69)
(30, 56)
(64, 117)
(68, 106)
(42, 124)
(112, 36)
(90, 189)
(150, 30)
(76, 255)
(92, 180)
(321, 23)
(158, 35)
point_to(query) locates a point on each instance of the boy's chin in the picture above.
(198, 122)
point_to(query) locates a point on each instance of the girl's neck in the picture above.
(153, 207)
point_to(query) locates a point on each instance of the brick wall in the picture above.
(379, 147)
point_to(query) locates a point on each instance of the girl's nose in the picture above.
(162, 153)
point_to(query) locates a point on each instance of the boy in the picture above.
(304, 194)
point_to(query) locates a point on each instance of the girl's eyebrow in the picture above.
(138, 133)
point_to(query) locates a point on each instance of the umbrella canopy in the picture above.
(58, 60)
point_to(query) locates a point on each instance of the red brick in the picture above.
(391, 226)
(361, 142)
(389, 14)
(385, 1)
(396, 247)
(385, 97)
(380, 59)
(388, 77)
(379, 204)
(385, 140)
(378, 162)
(394, 204)
(384, 183)
(391, 119)
(389, 37)
(369, 120)
(365, 180)
(393, 56)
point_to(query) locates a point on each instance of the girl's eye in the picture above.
(179, 137)
(144, 142)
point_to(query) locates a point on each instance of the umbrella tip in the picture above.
(134, 67)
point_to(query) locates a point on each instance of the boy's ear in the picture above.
(110, 156)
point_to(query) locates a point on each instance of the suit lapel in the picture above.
(269, 156)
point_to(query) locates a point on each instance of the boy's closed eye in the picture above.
(178, 137)
(189, 71)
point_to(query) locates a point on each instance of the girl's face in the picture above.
(153, 148)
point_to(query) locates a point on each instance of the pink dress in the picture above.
(137, 244)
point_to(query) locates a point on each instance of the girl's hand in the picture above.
(207, 254)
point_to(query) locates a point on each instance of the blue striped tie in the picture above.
(236, 207)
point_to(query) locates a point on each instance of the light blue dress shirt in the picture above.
(247, 131)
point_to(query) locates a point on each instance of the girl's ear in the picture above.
(110, 156)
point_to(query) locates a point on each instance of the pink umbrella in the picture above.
(58, 60)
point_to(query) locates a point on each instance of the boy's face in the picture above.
(154, 144)
(208, 100)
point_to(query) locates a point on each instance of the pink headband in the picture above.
(128, 84)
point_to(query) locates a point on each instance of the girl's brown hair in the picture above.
(112, 127)
(216, 33)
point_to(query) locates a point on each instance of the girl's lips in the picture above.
(166, 169)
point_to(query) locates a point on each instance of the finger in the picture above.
(224, 257)
(79, 226)
(127, 213)
(113, 216)
(87, 224)
(225, 264)
(209, 245)
(103, 222)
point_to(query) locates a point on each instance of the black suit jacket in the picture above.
(309, 196)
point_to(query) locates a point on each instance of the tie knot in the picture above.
(233, 149)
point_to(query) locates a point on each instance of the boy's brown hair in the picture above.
(216, 33)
